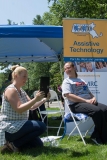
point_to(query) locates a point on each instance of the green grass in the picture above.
(72, 149)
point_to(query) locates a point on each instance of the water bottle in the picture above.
(47, 142)
(54, 143)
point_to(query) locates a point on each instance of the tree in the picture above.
(38, 20)
(56, 74)
(22, 23)
(11, 23)
(78, 9)
(50, 19)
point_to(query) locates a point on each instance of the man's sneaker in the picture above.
(97, 141)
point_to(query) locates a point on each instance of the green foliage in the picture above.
(38, 20)
(37, 70)
(11, 23)
(56, 75)
(79, 9)
(89, 9)
(3, 82)
(4, 67)
(50, 19)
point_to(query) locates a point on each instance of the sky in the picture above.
(21, 10)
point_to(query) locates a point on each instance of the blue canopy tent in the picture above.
(35, 43)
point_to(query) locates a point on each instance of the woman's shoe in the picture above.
(11, 147)
(4, 149)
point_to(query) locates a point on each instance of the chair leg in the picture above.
(88, 130)
(64, 131)
(76, 126)
(80, 133)
(73, 130)
(59, 128)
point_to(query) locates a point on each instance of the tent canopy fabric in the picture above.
(34, 43)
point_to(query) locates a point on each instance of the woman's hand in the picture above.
(94, 100)
(40, 95)
(48, 96)
(91, 101)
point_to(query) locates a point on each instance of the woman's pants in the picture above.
(98, 112)
(28, 135)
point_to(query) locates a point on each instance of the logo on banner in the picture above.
(92, 83)
(86, 29)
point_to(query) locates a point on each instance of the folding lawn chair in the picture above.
(54, 96)
(77, 118)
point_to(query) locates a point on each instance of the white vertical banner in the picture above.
(97, 84)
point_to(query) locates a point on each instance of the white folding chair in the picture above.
(77, 118)
(53, 97)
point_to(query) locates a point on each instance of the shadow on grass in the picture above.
(87, 140)
(45, 150)
(38, 151)
(54, 151)
(80, 154)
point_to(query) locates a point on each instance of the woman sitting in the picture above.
(81, 100)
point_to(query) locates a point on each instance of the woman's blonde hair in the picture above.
(72, 65)
(16, 69)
